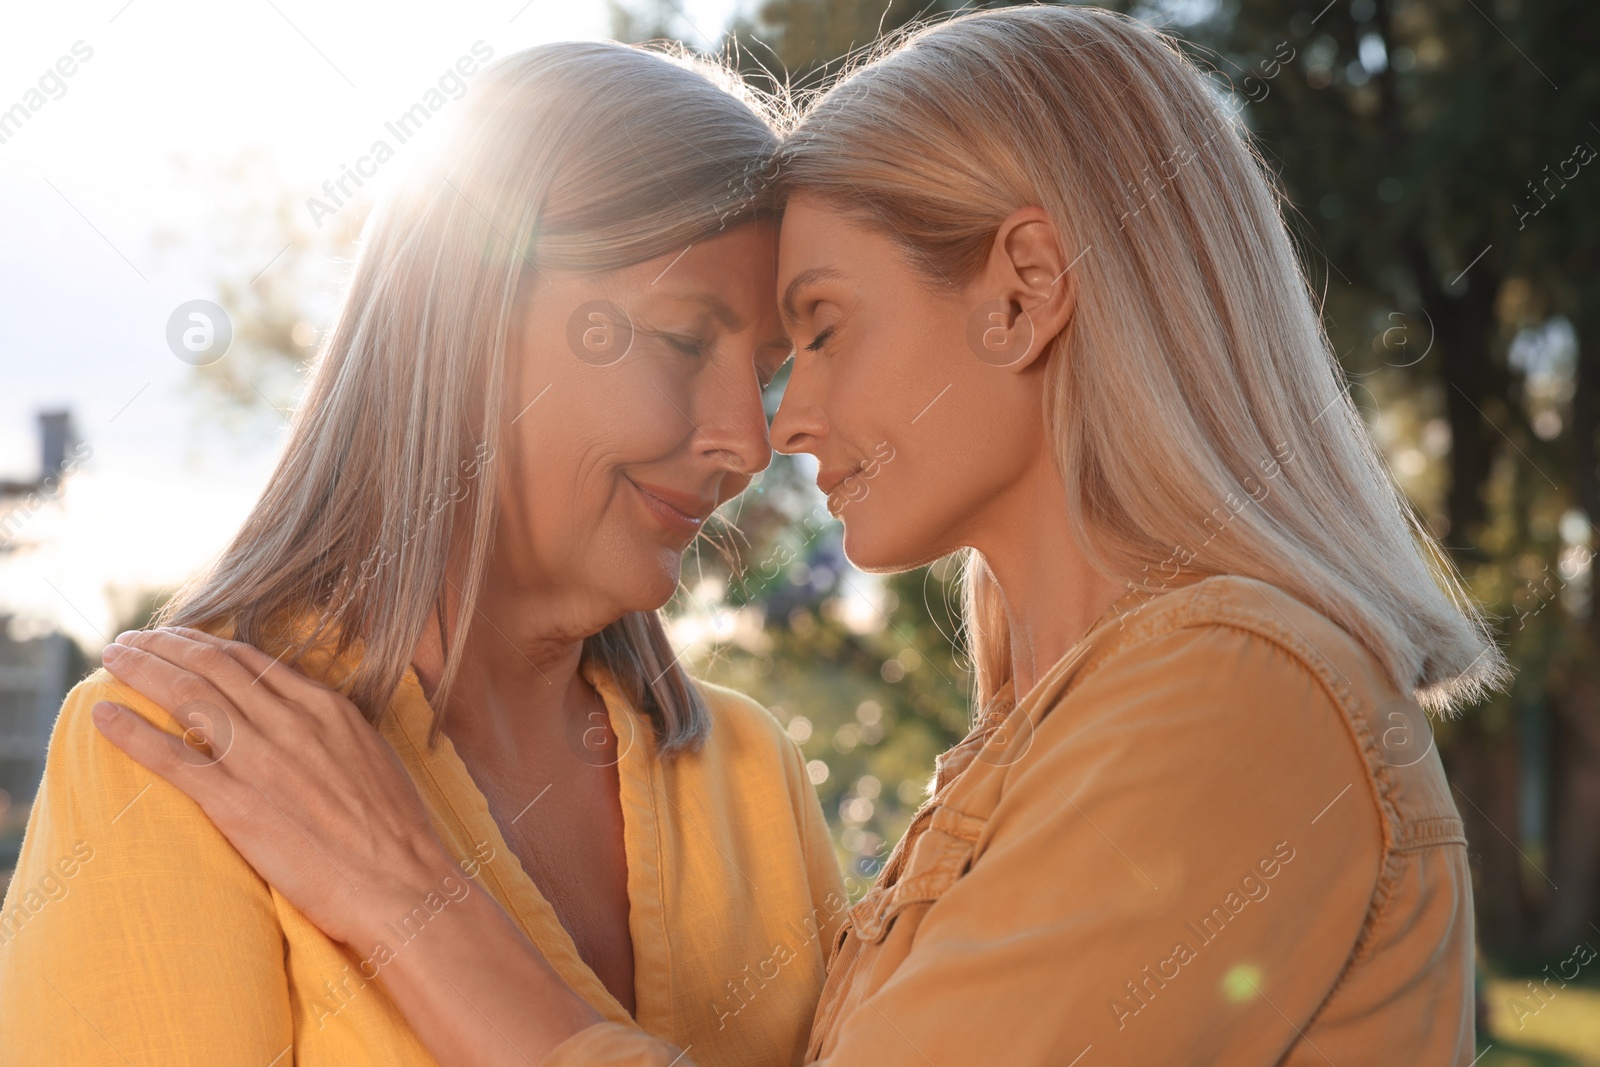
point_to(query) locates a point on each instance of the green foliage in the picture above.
(867, 679)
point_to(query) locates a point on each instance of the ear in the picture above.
(1026, 293)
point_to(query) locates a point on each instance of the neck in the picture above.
(519, 681)
(1052, 595)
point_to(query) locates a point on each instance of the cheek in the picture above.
(563, 493)
(941, 433)
(591, 423)
(616, 395)
(875, 391)
(895, 399)
(635, 410)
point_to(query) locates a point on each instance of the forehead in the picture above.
(731, 275)
(822, 244)
(807, 228)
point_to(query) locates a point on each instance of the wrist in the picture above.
(472, 954)
(415, 893)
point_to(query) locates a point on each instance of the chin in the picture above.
(884, 547)
(651, 585)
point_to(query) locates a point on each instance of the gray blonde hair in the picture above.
(1198, 415)
(571, 156)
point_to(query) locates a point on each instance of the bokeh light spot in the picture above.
(1242, 982)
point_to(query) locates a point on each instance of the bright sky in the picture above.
(86, 288)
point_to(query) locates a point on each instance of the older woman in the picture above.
(545, 377)
(1199, 818)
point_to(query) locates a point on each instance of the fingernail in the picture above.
(122, 638)
(103, 712)
(110, 653)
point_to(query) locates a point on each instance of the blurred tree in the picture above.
(652, 20)
(279, 272)
(866, 672)
(797, 44)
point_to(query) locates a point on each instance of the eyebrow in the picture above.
(723, 313)
(800, 281)
(719, 310)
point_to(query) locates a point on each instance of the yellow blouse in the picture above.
(133, 933)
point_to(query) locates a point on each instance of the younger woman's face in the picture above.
(633, 409)
(920, 426)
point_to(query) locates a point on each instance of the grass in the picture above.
(1565, 1032)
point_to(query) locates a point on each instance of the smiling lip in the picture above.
(834, 481)
(682, 513)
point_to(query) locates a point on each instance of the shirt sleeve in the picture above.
(132, 931)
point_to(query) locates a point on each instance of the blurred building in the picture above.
(59, 454)
(35, 674)
(37, 664)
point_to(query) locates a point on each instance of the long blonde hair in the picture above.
(572, 156)
(1198, 415)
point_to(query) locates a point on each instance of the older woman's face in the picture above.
(634, 410)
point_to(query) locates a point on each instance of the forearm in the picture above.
(473, 988)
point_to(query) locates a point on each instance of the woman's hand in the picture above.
(290, 772)
(319, 804)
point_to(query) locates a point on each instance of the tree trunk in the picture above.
(1575, 857)
(1483, 768)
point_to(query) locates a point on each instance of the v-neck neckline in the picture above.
(467, 811)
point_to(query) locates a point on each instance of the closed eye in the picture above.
(820, 340)
(689, 346)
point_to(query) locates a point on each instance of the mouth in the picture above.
(832, 481)
(680, 513)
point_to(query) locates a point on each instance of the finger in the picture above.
(264, 707)
(286, 683)
(152, 748)
(228, 803)
(206, 660)
(190, 700)
(267, 670)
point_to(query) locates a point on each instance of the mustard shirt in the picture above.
(134, 934)
(1213, 833)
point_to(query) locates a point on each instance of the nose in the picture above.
(800, 424)
(732, 423)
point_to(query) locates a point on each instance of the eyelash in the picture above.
(684, 345)
(819, 340)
